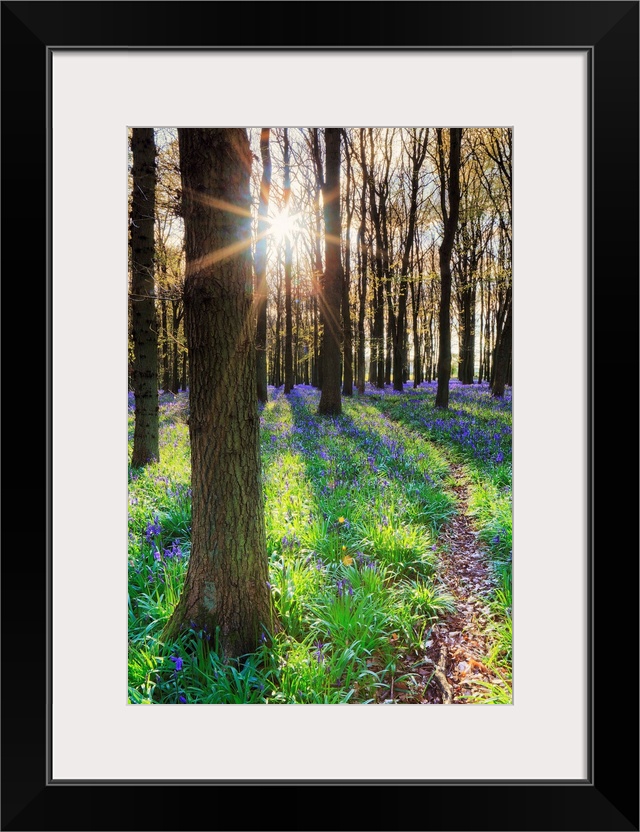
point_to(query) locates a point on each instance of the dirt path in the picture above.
(460, 641)
(451, 666)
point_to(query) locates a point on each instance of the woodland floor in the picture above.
(451, 670)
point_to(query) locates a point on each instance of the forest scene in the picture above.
(320, 415)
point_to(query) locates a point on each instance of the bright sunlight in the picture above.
(283, 225)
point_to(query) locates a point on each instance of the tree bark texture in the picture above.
(318, 273)
(450, 219)
(363, 259)
(145, 329)
(226, 582)
(330, 398)
(417, 152)
(288, 258)
(261, 267)
(503, 355)
(165, 345)
(347, 374)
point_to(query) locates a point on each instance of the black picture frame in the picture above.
(608, 798)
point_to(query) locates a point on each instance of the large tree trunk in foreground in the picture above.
(145, 329)
(450, 219)
(261, 267)
(330, 399)
(226, 583)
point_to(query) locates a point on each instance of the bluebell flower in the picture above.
(153, 528)
(178, 662)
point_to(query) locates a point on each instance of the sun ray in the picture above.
(283, 225)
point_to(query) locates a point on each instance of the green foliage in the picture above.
(406, 550)
(353, 506)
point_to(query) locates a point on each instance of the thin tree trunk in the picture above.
(417, 156)
(276, 376)
(416, 289)
(386, 269)
(377, 346)
(330, 399)
(145, 330)
(503, 355)
(288, 336)
(165, 344)
(481, 330)
(261, 290)
(363, 253)
(347, 382)
(316, 340)
(176, 317)
(319, 274)
(184, 370)
(450, 219)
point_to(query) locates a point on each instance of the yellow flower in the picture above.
(340, 519)
(347, 560)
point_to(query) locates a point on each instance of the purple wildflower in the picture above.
(153, 528)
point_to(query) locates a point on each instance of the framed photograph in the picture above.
(564, 78)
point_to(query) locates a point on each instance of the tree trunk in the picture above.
(183, 384)
(165, 345)
(467, 329)
(481, 328)
(261, 290)
(363, 255)
(377, 340)
(318, 273)
(288, 332)
(450, 219)
(386, 269)
(145, 334)
(226, 583)
(503, 356)
(316, 340)
(330, 399)
(417, 152)
(276, 376)
(378, 316)
(347, 381)
(176, 317)
(416, 288)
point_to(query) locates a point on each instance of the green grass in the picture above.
(354, 505)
